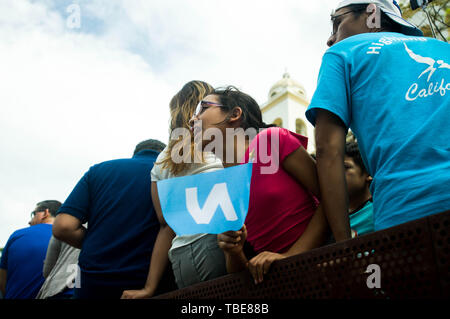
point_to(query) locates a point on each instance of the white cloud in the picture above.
(68, 100)
(72, 98)
(246, 43)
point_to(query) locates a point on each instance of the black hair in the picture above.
(154, 145)
(352, 150)
(230, 97)
(51, 205)
(387, 24)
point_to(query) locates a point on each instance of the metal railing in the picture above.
(411, 260)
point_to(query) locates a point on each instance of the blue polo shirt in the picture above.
(114, 198)
(23, 259)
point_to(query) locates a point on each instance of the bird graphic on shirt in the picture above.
(429, 61)
(442, 65)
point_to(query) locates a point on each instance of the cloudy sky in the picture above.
(73, 96)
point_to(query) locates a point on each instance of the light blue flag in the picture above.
(212, 203)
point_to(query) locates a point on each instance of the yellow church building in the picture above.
(286, 106)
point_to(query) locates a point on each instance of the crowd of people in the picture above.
(109, 239)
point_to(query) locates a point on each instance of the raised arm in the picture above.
(330, 144)
(160, 253)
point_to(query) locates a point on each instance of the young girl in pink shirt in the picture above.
(284, 216)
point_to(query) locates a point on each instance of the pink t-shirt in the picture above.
(280, 207)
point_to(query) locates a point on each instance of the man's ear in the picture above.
(235, 115)
(373, 20)
(46, 213)
(369, 179)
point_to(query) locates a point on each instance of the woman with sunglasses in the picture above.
(194, 258)
(284, 217)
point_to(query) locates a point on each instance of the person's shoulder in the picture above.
(110, 164)
(26, 231)
(272, 131)
(366, 37)
(280, 132)
(159, 159)
(99, 165)
(17, 235)
(353, 42)
(365, 209)
(211, 158)
(20, 232)
(41, 228)
(433, 44)
(369, 204)
(380, 39)
(265, 135)
(162, 154)
(280, 135)
(348, 43)
(149, 155)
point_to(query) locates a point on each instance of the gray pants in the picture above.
(199, 261)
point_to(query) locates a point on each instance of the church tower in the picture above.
(286, 108)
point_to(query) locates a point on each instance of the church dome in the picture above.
(286, 83)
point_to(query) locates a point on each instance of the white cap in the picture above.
(392, 10)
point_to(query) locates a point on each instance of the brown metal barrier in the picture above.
(414, 261)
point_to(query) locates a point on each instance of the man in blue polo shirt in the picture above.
(24, 254)
(113, 197)
(391, 86)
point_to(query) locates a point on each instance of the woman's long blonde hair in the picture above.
(182, 108)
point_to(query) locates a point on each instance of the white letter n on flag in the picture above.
(217, 197)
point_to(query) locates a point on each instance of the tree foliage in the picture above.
(439, 11)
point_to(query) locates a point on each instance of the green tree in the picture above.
(439, 11)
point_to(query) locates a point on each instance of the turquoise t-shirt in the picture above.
(361, 221)
(393, 91)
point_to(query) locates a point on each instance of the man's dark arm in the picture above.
(69, 229)
(330, 144)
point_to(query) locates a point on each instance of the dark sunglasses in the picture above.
(203, 105)
(34, 212)
(334, 17)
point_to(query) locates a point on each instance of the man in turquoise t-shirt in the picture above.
(391, 86)
(360, 206)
